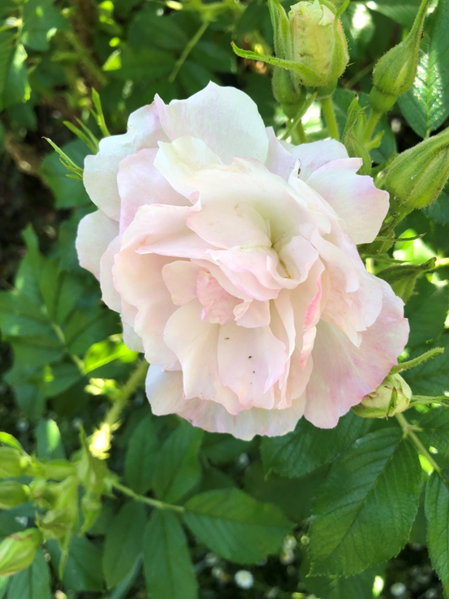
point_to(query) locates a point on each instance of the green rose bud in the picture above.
(13, 494)
(416, 177)
(317, 42)
(395, 72)
(12, 462)
(391, 397)
(18, 550)
(309, 43)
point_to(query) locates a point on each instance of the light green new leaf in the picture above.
(235, 525)
(364, 512)
(426, 105)
(177, 470)
(308, 448)
(437, 514)
(123, 542)
(32, 583)
(167, 565)
(141, 456)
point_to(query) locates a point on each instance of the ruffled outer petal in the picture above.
(100, 170)
(342, 373)
(164, 391)
(95, 233)
(226, 119)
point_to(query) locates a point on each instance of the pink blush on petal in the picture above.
(218, 304)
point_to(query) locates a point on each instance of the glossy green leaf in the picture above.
(434, 429)
(141, 456)
(353, 587)
(177, 470)
(363, 513)
(49, 442)
(437, 514)
(236, 526)
(426, 105)
(167, 564)
(123, 542)
(308, 448)
(431, 377)
(40, 23)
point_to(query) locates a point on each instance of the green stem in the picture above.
(160, 505)
(371, 125)
(409, 432)
(86, 59)
(296, 124)
(128, 389)
(428, 400)
(189, 47)
(428, 355)
(329, 115)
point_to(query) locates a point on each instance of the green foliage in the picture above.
(426, 104)
(437, 513)
(123, 542)
(363, 513)
(167, 565)
(236, 526)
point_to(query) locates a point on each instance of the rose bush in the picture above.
(231, 258)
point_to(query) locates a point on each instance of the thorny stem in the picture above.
(296, 124)
(329, 115)
(409, 432)
(161, 505)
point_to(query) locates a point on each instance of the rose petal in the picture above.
(95, 233)
(226, 119)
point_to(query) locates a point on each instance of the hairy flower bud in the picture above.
(12, 494)
(417, 176)
(395, 72)
(18, 550)
(391, 397)
(318, 41)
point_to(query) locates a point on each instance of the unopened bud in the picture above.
(290, 96)
(391, 397)
(13, 494)
(18, 550)
(318, 42)
(416, 177)
(395, 72)
(12, 462)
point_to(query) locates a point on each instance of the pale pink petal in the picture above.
(195, 344)
(110, 295)
(226, 119)
(229, 224)
(252, 314)
(298, 256)
(131, 339)
(250, 362)
(342, 373)
(314, 155)
(95, 233)
(217, 303)
(139, 183)
(100, 170)
(180, 277)
(354, 197)
(164, 392)
(138, 280)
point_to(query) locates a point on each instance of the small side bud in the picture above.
(416, 177)
(12, 462)
(395, 72)
(18, 550)
(291, 97)
(13, 494)
(391, 397)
